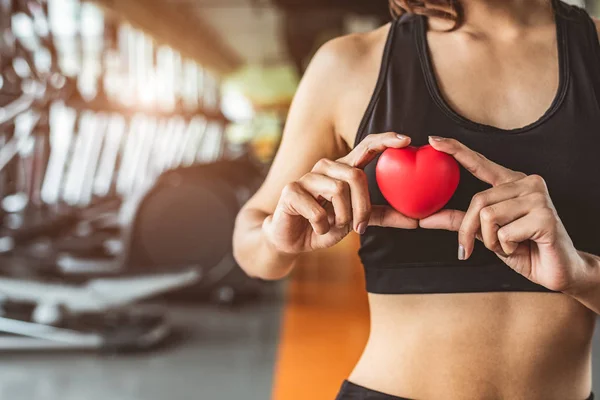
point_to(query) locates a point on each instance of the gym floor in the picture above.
(300, 343)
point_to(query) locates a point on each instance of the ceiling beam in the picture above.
(184, 31)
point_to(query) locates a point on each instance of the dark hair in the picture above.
(451, 10)
(448, 9)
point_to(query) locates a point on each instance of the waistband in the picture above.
(352, 391)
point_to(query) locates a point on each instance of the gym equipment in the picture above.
(81, 171)
(94, 315)
(103, 182)
(417, 181)
(52, 301)
(188, 217)
(58, 167)
(32, 86)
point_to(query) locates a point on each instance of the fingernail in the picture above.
(436, 138)
(361, 228)
(401, 137)
(461, 252)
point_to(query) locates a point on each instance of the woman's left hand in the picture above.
(515, 219)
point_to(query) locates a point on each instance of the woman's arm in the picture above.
(310, 135)
(588, 292)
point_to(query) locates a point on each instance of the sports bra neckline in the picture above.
(433, 87)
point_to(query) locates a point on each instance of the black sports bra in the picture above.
(563, 146)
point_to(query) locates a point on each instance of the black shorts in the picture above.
(350, 391)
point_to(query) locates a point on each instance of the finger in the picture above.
(482, 168)
(335, 191)
(529, 227)
(451, 220)
(471, 223)
(497, 215)
(388, 217)
(371, 146)
(359, 189)
(330, 213)
(296, 200)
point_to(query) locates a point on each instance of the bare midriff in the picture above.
(511, 345)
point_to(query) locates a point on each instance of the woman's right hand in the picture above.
(321, 208)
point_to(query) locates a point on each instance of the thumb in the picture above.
(449, 220)
(388, 217)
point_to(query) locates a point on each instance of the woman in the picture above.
(505, 309)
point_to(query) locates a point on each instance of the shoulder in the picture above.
(347, 55)
(340, 78)
(337, 67)
(348, 62)
(597, 22)
(341, 67)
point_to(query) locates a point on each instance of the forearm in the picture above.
(587, 291)
(254, 253)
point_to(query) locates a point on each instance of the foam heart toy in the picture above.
(417, 181)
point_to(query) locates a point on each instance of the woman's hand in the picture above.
(322, 207)
(515, 219)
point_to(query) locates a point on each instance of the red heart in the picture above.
(417, 181)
